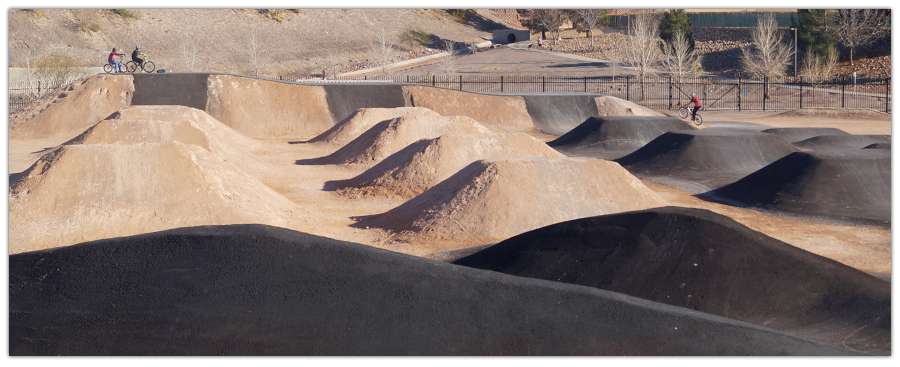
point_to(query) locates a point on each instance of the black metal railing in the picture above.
(23, 93)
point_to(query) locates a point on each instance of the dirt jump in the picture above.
(216, 214)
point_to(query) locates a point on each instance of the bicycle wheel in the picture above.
(683, 112)
(149, 66)
(131, 66)
(108, 68)
(699, 120)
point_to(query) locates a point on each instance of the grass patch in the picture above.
(125, 13)
(461, 15)
(94, 27)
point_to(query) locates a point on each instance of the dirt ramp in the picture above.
(391, 136)
(704, 261)
(84, 192)
(264, 108)
(612, 106)
(498, 113)
(557, 113)
(885, 146)
(796, 134)
(70, 110)
(161, 124)
(701, 160)
(491, 200)
(259, 290)
(427, 162)
(850, 185)
(848, 141)
(364, 119)
(615, 136)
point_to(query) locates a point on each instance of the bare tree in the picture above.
(384, 52)
(642, 48)
(769, 58)
(550, 19)
(818, 68)
(189, 53)
(859, 27)
(256, 54)
(588, 19)
(448, 62)
(679, 59)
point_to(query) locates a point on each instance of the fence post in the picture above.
(765, 90)
(670, 93)
(843, 85)
(501, 83)
(585, 84)
(432, 81)
(740, 92)
(460, 82)
(801, 92)
(628, 87)
(887, 94)
(543, 83)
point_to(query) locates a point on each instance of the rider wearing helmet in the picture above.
(696, 102)
(112, 60)
(138, 56)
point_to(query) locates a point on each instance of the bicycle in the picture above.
(147, 66)
(110, 68)
(685, 112)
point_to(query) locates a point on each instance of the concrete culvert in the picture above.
(701, 160)
(614, 137)
(846, 185)
(704, 261)
(427, 162)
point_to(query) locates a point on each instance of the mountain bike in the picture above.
(110, 68)
(148, 65)
(685, 112)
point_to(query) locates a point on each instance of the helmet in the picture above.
(114, 49)
(138, 47)
(692, 94)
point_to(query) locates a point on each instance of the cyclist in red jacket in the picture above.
(696, 102)
(112, 60)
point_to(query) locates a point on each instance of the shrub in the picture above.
(415, 38)
(58, 68)
(461, 15)
(275, 14)
(125, 13)
(94, 27)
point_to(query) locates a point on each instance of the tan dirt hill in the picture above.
(491, 200)
(427, 162)
(364, 119)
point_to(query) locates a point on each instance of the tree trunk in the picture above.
(851, 56)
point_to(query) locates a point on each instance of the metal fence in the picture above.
(731, 19)
(23, 93)
(667, 93)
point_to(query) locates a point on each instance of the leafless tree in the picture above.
(550, 19)
(642, 48)
(448, 62)
(859, 27)
(588, 19)
(384, 52)
(256, 54)
(769, 58)
(818, 68)
(679, 59)
(189, 53)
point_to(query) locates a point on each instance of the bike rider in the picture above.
(112, 60)
(138, 56)
(696, 102)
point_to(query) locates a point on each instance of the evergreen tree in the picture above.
(676, 21)
(816, 29)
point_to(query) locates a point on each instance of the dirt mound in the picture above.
(615, 137)
(260, 290)
(498, 113)
(364, 119)
(698, 161)
(83, 192)
(795, 134)
(841, 113)
(391, 136)
(851, 185)
(265, 108)
(490, 200)
(70, 110)
(612, 106)
(829, 142)
(704, 261)
(160, 124)
(427, 162)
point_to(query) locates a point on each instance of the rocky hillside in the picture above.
(272, 42)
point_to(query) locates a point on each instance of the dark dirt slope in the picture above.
(704, 261)
(848, 185)
(257, 290)
(842, 141)
(701, 160)
(614, 137)
(795, 134)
